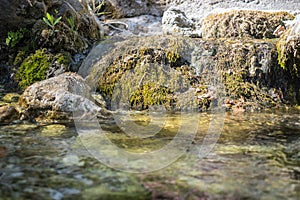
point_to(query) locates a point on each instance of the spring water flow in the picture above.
(257, 155)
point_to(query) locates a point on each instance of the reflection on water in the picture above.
(257, 157)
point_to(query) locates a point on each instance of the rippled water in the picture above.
(257, 156)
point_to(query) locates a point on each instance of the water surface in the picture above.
(257, 156)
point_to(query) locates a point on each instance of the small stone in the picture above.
(3, 151)
(8, 114)
(53, 130)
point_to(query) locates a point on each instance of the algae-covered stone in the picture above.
(53, 130)
(11, 97)
(243, 23)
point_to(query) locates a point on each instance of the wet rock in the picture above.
(58, 98)
(3, 151)
(129, 191)
(8, 114)
(71, 160)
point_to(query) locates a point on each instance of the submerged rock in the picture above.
(8, 114)
(58, 98)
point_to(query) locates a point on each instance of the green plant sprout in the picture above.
(71, 22)
(51, 21)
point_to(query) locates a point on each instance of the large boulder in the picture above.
(59, 98)
(179, 72)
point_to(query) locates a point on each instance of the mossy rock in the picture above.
(144, 72)
(147, 71)
(244, 23)
(41, 65)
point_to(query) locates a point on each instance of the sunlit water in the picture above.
(257, 156)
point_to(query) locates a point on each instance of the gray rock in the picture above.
(59, 97)
(175, 22)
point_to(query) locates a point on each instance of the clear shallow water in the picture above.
(257, 156)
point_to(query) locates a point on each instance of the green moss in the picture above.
(151, 94)
(62, 59)
(34, 68)
(235, 85)
(141, 65)
(19, 57)
(120, 65)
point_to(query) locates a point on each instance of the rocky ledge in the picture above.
(210, 56)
